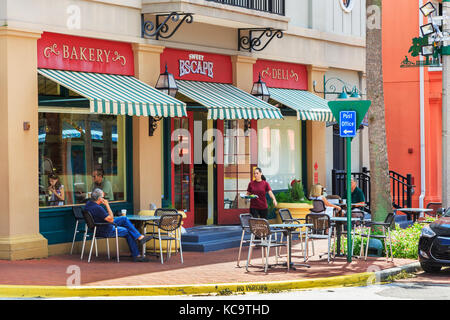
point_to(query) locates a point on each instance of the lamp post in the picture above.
(354, 92)
(445, 105)
(439, 41)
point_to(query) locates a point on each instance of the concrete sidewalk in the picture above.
(201, 273)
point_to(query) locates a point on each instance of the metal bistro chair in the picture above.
(79, 219)
(261, 236)
(321, 222)
(286, 217)
(388, 221)
(438, 210)
(158, 212)
(169, 223)
(92, 226)
(244, 219)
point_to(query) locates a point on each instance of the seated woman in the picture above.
(317, 194)
(55, 191)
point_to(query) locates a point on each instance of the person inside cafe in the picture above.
(55, 190)
(358, 199)
(124, 227)
(100, 182)
(316, 193)
(259, 187)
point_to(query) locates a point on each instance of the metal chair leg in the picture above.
(92, 244)
(74, 236)
(160, 247)
(240, 247)
(367, 244)
(117, 246)
(390, 244)
(249, 252)
(181, 250)
(84, 243)
(107, 248)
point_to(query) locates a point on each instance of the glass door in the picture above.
(183, 167)
(239, 152)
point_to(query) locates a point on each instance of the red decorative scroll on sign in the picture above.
(197, 66)
(281, 74)
(65, 52)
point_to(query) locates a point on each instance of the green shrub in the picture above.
(404, 242)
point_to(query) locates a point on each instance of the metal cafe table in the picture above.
(138, 220)
(289, 228)
(414, 211)
(340, 221)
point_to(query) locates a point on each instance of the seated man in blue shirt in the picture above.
(124, 227)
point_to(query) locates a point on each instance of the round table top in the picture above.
(414, 210)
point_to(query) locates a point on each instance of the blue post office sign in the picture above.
(347, 124)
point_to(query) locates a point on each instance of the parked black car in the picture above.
(434, 244)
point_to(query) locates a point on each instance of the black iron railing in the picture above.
(271, 6)
(339, 182)
(401, 186)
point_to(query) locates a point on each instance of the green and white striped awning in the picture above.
(225, 101)
(307, 104)
(116, 94)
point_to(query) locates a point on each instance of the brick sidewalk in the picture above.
(198, 268)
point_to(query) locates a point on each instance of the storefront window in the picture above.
(237, 167)
(76, 150)
(279, 151)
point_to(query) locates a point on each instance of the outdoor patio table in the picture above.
(339, 221)
(414, 211)
(138, 220)
(289, 228)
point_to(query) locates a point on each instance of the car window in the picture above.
(447, 213)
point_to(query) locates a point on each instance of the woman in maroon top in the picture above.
(259, 187)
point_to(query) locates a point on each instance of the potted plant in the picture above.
(293, 199)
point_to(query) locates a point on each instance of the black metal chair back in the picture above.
(318, 206)
(320, 222)
(259, 227)
(170, 222)
(78, 213)
(389, 219)
(161, 211)
(244, 219)
(89, 219)
(285, 215)
(437, 209)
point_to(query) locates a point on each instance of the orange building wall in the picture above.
(402, 101)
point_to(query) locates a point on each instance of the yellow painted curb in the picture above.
(17, 291)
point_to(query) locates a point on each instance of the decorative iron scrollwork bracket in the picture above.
(252, 39)
(162, 28)
(153, 124)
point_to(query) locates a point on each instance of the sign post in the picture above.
(350, 115)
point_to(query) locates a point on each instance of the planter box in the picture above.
(298, 210)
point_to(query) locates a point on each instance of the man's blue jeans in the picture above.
(125, 229)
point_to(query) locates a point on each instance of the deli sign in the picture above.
(281, 74)
(64, 52)
(197, 66)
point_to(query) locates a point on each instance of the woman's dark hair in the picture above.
(54, 176)
(263, 178)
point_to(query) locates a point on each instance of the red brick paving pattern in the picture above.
(198, 268)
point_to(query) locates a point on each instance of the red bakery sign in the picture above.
(64, 52)
(281, 74)
(197, 66)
